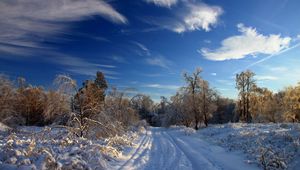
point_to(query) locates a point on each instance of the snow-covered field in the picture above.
(270, 145)
(229, 146)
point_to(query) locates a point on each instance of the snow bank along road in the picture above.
(163, 149)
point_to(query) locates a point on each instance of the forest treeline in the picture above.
(198, 103)
(95, 105)
(90, 110)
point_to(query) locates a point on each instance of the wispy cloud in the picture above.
(279, 69)
(119, 59)
(97, 38)
(250, 42)
(105, 65)
(25, 24)
(223, 89)
(213, 74)
(159, 61)
(91, 36)
(207, 41)
(80, 66)
(152, 74)
(267, 58)
(226, 82)
(297, 37)
(161, 86)
(163, 3)
(89, 72)
(265, 78)
(142, 47)
(272, 55)
(20, 51)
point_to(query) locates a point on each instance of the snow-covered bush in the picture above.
(57, 148)
(270, 159)
(183, 129)
(188, 131)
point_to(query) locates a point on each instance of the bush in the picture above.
(7, 99)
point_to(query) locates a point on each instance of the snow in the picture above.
(55, 148)
(179, 149)
(204, 154)
(4, 128)
(276, 143)
(227, 147)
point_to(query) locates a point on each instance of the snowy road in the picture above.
(166, 149)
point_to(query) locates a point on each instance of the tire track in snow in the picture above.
(163, 149)
(136, 160)
(198, 160)
(165, 155)
(180, 159)
(204, 155)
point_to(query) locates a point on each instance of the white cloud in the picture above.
(199, 17)
(250, 42)
(25, 24)
(213, 74)
(160, 86)
(159, 61)
(189, 16)
(257, 77)
(163, 3)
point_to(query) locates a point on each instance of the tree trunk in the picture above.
(244, 108)
(196, 124)
(81, 125)
(186, 124)
(204, 107)
(247, 108)
(205, 120)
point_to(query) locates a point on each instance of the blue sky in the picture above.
(148, 44)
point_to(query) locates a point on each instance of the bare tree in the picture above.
(144, 105)
(291, 104)
(57, 108)
(193, 87)
(31, 105)
(208, 101)
(7, 99)
(201, 97)
(225, 110)
(245, 84)
(263, 105)
(94, 113)
(118, 106)
(181, 112)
